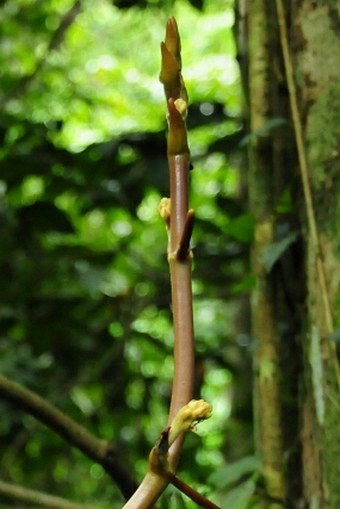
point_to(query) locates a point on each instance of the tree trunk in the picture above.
(292, 83)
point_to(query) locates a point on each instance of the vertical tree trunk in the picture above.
(316, 57)
(261, 182)
(293, 88)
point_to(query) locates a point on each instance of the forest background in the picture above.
(85, 314)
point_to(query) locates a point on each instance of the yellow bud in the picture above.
(195, 411)
(164, 209)
(181, 106)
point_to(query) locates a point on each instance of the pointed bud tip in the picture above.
(171, 25)
(172, 38)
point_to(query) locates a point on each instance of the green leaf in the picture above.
(240, 497)
(242, 228)
(232, 473)
(273, 252)
(245, 284)
(285, 203)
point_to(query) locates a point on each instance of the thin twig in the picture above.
(201, 500)
(101, 451)
(21, 494)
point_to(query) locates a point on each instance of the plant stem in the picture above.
(201, 500)
(180, 272)
(179, 220)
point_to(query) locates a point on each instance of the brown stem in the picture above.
(101, 451)
(180, 227)
(147, 492)
(180, 273)
(180, 269)
(178, 166)
(201, 500)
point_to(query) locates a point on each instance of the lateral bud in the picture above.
(177, 137)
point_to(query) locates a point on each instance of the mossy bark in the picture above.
(295, 314)
(318, 72)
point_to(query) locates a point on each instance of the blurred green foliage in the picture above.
(85, 318)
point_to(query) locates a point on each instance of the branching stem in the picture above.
(179, 223)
